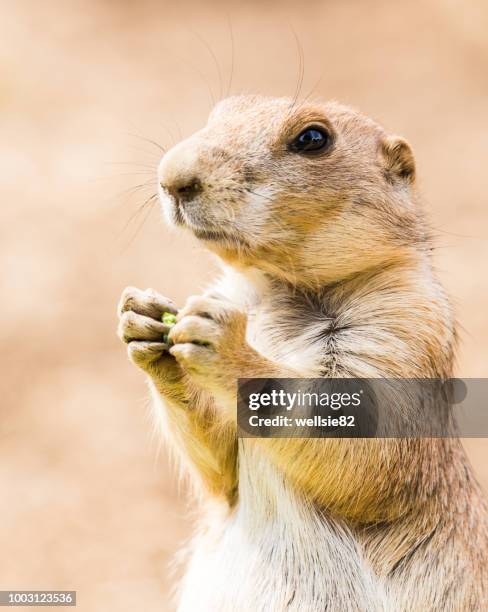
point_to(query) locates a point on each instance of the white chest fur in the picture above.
(275, 551)
(270, 328)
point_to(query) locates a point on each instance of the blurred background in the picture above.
(89, 501)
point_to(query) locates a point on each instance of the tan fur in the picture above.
(327, 272)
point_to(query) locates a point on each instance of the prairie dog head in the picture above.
(312, 192)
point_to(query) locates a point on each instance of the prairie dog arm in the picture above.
(205, 443)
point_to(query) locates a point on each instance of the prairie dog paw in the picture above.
(140, 325)
(208, 335)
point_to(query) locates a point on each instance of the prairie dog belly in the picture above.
(274, 552)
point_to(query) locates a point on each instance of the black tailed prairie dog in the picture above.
(312, 210)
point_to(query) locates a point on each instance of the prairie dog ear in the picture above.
(398, 158)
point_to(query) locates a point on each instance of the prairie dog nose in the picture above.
(177, 171)
(184, 189)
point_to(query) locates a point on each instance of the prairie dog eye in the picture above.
(313, 139)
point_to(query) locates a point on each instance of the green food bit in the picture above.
(168, 318)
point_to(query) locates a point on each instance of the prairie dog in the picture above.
(312, 210)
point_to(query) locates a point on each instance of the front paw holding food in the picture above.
(141, 327)
(209, 341)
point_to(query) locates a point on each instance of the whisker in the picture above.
(199, 73)
(135, 173)
(214, 57)
(141, 224)
(148, 203)
(129, 163)
(179, 130)
(150, 141)
(154, 155)
(317, 83)
(147, 183)
(301, 68)
(116, 176)
(132, 190)
(232, 55)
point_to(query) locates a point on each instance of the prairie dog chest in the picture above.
(281, 334)
(281, 327)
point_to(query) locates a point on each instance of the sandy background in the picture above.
(87, 501)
